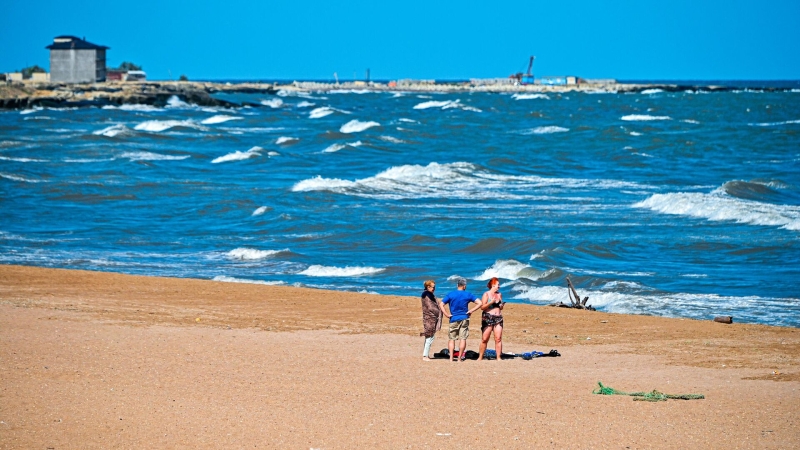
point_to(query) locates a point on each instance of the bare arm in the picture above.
(446, 314)
(479, 305)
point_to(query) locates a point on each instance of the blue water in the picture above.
(674, 204)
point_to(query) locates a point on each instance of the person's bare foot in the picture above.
(425, 358)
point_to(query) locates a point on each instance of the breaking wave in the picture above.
(13, 177)
(260, 210)
(228, 279)
(357, 126)
(272, 103)
(238, 156)
(135, 107)
(113, 131)
(331, 271)
(546, 130)
(158, 126)
(446, 104)
(774, 124)
(510, 269)
(720, 205)
(530, 96)
(220, 119)
(652, 91)
(249, 254)
(643, 117)
(11, 158)
(149, 156)
(286, 140)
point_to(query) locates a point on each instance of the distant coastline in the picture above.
(157, 93)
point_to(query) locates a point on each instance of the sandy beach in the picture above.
(103, 360)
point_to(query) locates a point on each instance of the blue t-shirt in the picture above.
(459, 304)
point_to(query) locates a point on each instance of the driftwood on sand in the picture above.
(574, 299)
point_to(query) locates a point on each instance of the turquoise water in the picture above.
(676, 204)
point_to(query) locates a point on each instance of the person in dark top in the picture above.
(492, 318)
(431, 317)
(459, 301)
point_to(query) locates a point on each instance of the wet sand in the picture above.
(102, 360)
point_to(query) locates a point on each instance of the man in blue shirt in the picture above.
(459, 301)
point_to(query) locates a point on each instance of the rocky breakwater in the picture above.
(61, 95)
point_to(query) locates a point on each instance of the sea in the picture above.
(680, 204)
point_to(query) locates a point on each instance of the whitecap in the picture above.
(31, 110)
(333, 148)
(271, 153)
(12, 177)
(272, 103)
(332, 271)
(305, 104)
(651, 91)
(720, 206)
(392, 139)
(238, 156)
(250, 254)
(436, 104)
(692, 121)
(39, 118)
(149, 156)
(530, 96)
(11, 158)
(357, 126)
(510, 269)
(113, 130)
(176, 102)
(135, 107)
(286, 140)
(635, 133)
(402, 119)
(158, 126)
(643, 117)
(220, 119)
(259, 211)
(546, 130)
(318, 113)
(228, 279)
(774, 124)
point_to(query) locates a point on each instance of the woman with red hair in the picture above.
(492, 318)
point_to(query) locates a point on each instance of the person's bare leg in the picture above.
(451, 345)
(498, 340)
(484, 342)
(462, 347)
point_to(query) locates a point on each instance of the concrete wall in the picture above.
(77, 66)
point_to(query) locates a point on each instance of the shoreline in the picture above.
(99, 360)
(22, 95)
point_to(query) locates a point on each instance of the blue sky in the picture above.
(236, 39)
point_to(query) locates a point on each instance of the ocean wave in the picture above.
(12, 177)
(635, 133)
(238, 156)
(651, 91)
(774, 124)
(31, 110)
(446, 104)
(175, 102)
(530, 96)
(334, 148)
(510, 269)
(15, 159)
(643, 118)
(545, 130)
(113, 131)
(228, 279)
(158, 126)
(220, 119)
(286, 140)
(403, 119)
(357, 126)
(272, 103)
(135, 107)
(260, 210)
(331, 271)
(720, 206)
(249, 254)
(149, 156)
(39, 118)
(305, 104)
(452, 180)
(392, 139)
(692, 121)
(87, 160)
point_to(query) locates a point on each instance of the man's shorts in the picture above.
(459, 331)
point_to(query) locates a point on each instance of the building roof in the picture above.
(73, 43)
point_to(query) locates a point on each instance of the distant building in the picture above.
(14, 76)
(136, 75)
(75, 60)
(40, 77)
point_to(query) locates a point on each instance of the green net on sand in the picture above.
(652, 396)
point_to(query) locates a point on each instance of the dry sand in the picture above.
(101, 360)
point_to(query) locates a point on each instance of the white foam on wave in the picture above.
(305, 104)
(332, 271)
(545, 130)
(157, 126)
(774, 124)
(13, 177)
(510, 269)
(238, 155)
(175, 102)
(652, 91)
(286, 140)
(692, 121)
(113, 131)
(446, 104)
(259, 211)
(135, 107)
(250, 254)
(272, 103)
(87, 160)
(357, 126)
(530, 96)
(15, 159)
(452, 180)
(720, 206)
(220, 119)
(643, 118)
(392, 139)
(39, 118)
(31, 110)
(227, 279)
(635, 133)
(150, 156)
(403, 119)
(333, 148)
